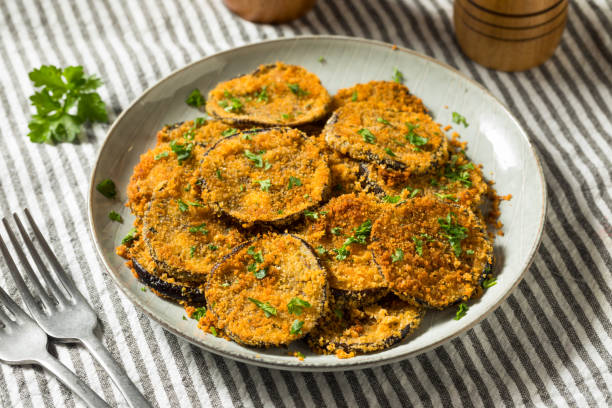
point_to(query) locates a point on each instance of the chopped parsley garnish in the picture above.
(262, 95)
(213, 331)
(383, 121)
(182, 205)
(229, 132)
(397, 255)
(299, 354)
(390, 152)
(454, 232)
(199, 229)
(397, 76)
(195, 99)
(131, 235)
(182, 151)
(230, 103)
(296, 306)
(294, 181)
(336, 230)
(311, 214)
(258, 258)
(143, 289)
(296, 327)
(212, 247)
(391, 199)
(360, 236)
(321, 250)
(415, 139)
(339, 313)
(413, 191)
(446, 197)
(256, 158)
(115, 216)
(199, 313)
(418, 242)
(368, 136)
(354, 96)
(487, 283)
(66, 101)
(461, 311)
(469, 252)
(218, 174)
(107, 188)
(264, 184)
(321, 60)
(161, 155)
(295, 88)
(199, 121)
(460, 119)
(192, 251)
(267, 308)
(459, 173)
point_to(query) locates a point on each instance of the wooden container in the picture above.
(509, 35)
(270, 11)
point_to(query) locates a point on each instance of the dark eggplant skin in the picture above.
(173, 291)
(280, 222)
(356, 298)
(259, 344)
(367, 183)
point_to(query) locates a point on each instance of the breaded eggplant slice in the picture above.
(146, 271)
(185, 237)
(200, 130)
(274, 94)
(391, 94)
(406, 141)
(265, 176)
(432, 253)
(268, 292)
(458, 181)
(366, 329)
(345, 174)
(161, 168)
(340, 233)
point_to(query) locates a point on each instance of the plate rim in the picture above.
(340, 364)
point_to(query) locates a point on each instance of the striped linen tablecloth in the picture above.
(549, 344)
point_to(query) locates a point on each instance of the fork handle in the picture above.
(131, 394)
(73, 382)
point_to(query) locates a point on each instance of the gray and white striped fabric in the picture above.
(549, 344)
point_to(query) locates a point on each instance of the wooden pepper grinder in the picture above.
(509, 35)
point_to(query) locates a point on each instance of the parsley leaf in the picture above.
(360, 236)
(397, 255)
(199, 228)
(383, 121)
(397, 76)
(296, 306)
(294, 181)
(264, 184)
(321, 59)
(446, 197)
(415, 139)
(262, 96)
(461, 311)
(65, 101)
(199, 313)
(454, 232)
(487, 283)
(115, 216)
(107, 188)
(192, 251)
(336, 230)
(195, 99)
(182, 151)
(391, 199)
(390, 152)
(354, 96)
(321, 250)
(267, 308)
(296, 327)
(460, 119)
(161, 155)
(182, 205)
(368, 136)
(295, 88)
(311, 214)
(229, 132)
(230, 103)
(131, 235)
(256, 158)
(213, 331)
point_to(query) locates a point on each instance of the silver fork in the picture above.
(63, 314)
(23, 342)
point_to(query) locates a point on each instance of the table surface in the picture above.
(549, 344)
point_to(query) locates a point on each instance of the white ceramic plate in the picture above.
(494, 137)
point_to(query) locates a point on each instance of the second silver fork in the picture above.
(63, 314)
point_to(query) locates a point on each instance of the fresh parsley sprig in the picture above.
(64, 102)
